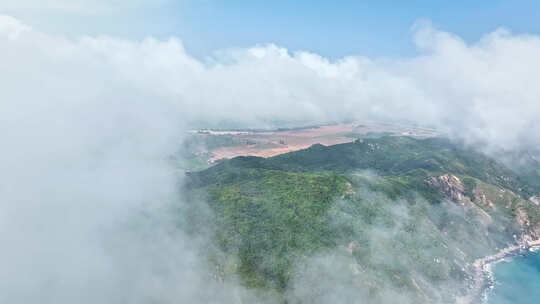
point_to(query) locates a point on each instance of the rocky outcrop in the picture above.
(482, 199)
(535, 200)
(454, 190)
(531, 230)
(522, 218)
(532, 226)
(450, 185)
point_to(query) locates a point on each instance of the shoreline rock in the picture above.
(484, 278)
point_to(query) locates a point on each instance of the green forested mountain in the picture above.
(385, 217)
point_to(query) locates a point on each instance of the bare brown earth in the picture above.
(271, 143)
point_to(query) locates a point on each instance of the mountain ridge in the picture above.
(445, 205)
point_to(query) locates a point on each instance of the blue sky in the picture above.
(330, 28)
(338, 28)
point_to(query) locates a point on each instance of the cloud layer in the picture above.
(483, 92)
(87, 125)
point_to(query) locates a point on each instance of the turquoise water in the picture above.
(517, 281)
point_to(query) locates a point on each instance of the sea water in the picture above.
(517, 281)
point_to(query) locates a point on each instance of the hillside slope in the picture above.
(398, 217)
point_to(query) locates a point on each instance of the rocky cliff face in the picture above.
(535, 200)
(485, 201)
(449, 185)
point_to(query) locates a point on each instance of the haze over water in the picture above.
(517, 281)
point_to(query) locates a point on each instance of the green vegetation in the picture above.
(278, 215)
(469, 185)
(373, 197)
(392, 156)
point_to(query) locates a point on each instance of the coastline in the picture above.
(483, 268)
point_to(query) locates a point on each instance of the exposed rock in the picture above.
(481, 198)
(348, 191)
(522, 218)
(352, 247)
(450, 185)
(534, 232)
(535, 200)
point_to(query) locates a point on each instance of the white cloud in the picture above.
(84, 155)
(484, 91)
(11, 27)
(87, 123)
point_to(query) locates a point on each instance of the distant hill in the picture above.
(428, 206)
